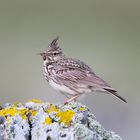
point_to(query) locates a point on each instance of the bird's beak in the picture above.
(43, 55)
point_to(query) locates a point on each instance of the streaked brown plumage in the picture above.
(71, 76)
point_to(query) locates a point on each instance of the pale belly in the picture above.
(65, 89)
(62, 88)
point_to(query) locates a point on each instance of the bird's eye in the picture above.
(55, 54)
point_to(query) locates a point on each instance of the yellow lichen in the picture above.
(14, 111)
(66, 116)
(31, 119)
(35, 101)
(24, 117)
(48, 120)
(53, 109)
(16, 104)
(34, 112)
(9, 111)
(8, 119)
(82, 108)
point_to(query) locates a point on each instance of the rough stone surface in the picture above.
(36, 120)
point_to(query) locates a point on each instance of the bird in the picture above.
(71, 76)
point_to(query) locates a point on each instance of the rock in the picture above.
(45, 121)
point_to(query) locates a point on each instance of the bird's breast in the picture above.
(48, 71)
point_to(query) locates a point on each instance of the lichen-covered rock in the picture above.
(37, 120)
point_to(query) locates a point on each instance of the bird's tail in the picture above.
(114, 92)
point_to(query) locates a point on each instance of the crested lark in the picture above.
(71, 77)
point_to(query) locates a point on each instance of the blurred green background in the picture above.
(103, 33)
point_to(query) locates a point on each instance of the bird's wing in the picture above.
(71, 74)
(74, 63)
(73, 70)
(77, 74)
(70, 78)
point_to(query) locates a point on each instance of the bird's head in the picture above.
(53, 52)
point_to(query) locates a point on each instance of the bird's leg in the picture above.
(71, 99)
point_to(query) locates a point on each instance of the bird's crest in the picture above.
(54, 43)
(54, 47)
